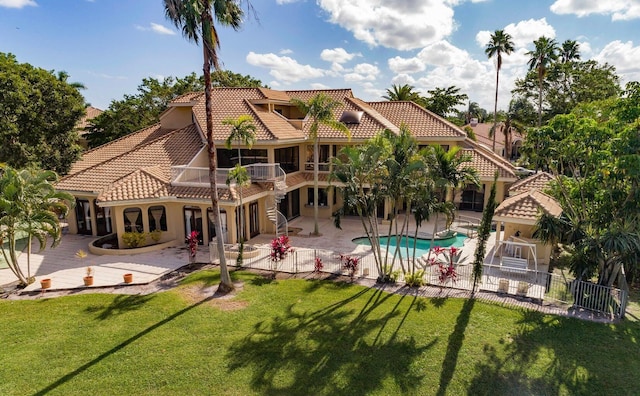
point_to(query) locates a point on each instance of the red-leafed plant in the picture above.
(192, 241)
(280, 248)
(350, 263)
(446, 259)
(318, 265)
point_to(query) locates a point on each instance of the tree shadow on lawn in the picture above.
(571, 355)
(120, 304)
(335, 350)
(61, 381)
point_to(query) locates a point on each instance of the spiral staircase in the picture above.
(279, 191)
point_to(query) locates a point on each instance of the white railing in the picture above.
(536, 285)
(191, 176)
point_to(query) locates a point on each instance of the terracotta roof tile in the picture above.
(527, 206)
(173, 148)
(90, 113)
(486, 163)
(188, 97)
(143, 183)
(539, 181)
(275, 95)
(421, 122)
(117, 147)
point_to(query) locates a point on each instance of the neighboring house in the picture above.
(157, 178)
(83, 125)
(482, 130)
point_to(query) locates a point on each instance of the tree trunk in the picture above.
(225, 280)
(495, 112)
(316, 160)
(241, 230)
(539, 102)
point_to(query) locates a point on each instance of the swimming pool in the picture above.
(422, 245)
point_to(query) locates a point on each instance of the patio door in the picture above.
(193, 222)
(254, 222)
(103, 220)
(83, 217)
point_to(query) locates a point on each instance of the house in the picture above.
(482, 132)
(157, 178)
(84, 123)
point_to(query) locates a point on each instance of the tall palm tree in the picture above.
(499, 44)
(243, 131)
(545, 52)
(570, 51)
(449, 170)
(319, 111)
(195, 19)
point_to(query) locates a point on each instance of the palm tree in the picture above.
(399, 93)
(195, 19)
(29, 205)
(242, 131)
(448, 170)
(500, 43)
(511, 123)
(542, 56)
(570, 51)
(319, 111)
(240, 176)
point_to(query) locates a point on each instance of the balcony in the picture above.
(189, 176)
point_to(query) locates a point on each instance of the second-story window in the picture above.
(323, 158)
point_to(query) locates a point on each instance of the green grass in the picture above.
(300, 337)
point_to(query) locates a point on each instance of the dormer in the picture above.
(179, 113)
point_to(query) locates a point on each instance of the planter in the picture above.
(45, 283)
(128, 278)
(88, 280)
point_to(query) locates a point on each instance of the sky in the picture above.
(365, 45)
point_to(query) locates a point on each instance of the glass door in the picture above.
(83, 216)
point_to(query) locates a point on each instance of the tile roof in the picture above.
(527, 206)
(90, 113)
(224, 193)
(486, 163)
(188, 97)
(174, 148)
(117, 147)
(482, 129)
(275, 95)
(144, 183)
(421, 122)
(233, 102)
(539, 181)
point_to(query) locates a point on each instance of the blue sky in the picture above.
(366, 45)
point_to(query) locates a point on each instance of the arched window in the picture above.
(157, 218)
(133, 220)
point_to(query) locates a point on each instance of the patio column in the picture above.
(94, 219)
(499, 225)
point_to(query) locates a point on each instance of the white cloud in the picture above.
(363, 72)
(285, 1)
(319, 86)
(336, 55)
(618, 9)
(402, 79)
(624, 56)
(17, 3)
(286, 51)
(442, 53)
(405, 65)
(283, 68)
(522, 33)
(156, 28)
(399, 24)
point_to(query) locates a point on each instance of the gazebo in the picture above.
(518, 214)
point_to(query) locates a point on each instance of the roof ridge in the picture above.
(124, 179)
(529, 179)
(373, 113)
(128, 135)
(497, 159)
(134, 149)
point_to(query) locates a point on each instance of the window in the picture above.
(157, 218)
(229, 158)
(322, 197)
(133, 220)
(323, 157)
(288, 158)
(223, 223)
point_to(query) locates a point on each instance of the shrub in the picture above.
(388, 275)
(318, 265)
(446, 259)
(156, 235)
(280, 248)
(415, 280)
(134, 239)
(350, 264)
(192, 241)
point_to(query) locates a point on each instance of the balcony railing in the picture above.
(190, 176)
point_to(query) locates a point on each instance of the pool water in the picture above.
(422, 245)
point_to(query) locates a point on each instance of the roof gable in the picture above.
(539, 181)
(527, 206)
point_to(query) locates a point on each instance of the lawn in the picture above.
(303, 337)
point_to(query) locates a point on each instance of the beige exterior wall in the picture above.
(177, 117)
